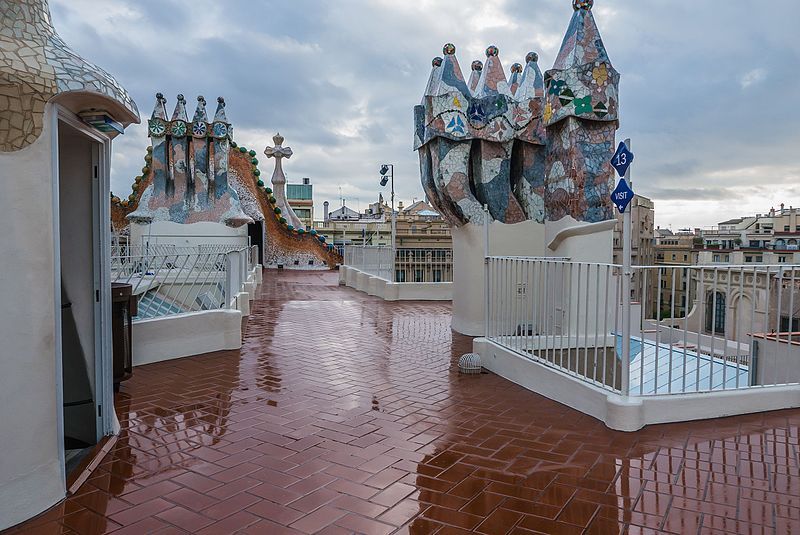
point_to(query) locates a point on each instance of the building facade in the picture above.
(642, 241)
(301, 199)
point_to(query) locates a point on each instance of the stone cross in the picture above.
(278, 152)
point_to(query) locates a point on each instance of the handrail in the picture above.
(180, 282)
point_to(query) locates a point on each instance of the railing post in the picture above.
(627, 275)
(228, 281)
(486, 294)
(243, 267)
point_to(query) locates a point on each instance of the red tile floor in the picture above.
(346, 414)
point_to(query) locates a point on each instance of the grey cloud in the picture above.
(307, 67)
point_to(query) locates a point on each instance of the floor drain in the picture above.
(470, 363)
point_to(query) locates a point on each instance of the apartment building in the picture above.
(643, 240)
(301, 198)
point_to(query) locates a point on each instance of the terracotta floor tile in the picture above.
(403, 512)
(359, 524)
(185, 519)
(363, 423)
(281, 514)
(231, 505)
(314, 500)
(498, 522)
(392, 494)
(231, 524)
(319, 519)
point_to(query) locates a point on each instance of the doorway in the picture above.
(82, 324)
(255, 233)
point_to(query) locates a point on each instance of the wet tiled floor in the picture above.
(344, 414)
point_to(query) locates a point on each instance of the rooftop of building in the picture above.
(343, 413)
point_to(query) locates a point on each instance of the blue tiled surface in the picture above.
(651, 372)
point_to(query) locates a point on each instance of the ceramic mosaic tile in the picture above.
(176, 156)
(35, 66)
(527, 146)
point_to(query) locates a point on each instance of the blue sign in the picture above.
(622, 195)
(622, 159)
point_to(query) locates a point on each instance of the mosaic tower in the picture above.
(189, 168)
(529, 147)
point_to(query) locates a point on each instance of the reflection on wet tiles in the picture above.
(342, 411)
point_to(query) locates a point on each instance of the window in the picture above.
(673, 256)
(419, 275)
(759, 259)
(716, 258)
(786, 228)
(715, 312)
(785, 324)
(437, 275)
(781, 259)
(400, 275)
(685, 258)
(748, 259)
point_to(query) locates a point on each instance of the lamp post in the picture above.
(387, 174)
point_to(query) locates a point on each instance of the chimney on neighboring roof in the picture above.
(326, 204)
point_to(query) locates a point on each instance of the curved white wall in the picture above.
(31, 474)
(592, 243)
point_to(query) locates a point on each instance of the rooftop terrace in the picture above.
(343, 413)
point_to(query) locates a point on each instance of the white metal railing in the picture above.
(692, 328)
(168, 244)
(409, 265)
(184, 281)
(424, 265)
(372, 259)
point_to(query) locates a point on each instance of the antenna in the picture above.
(341, 199)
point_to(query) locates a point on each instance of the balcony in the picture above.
(571, 331)
(346, 414)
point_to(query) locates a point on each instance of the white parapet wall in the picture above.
(194, 333)
(629, 413)
(394, 291)
(184, 335)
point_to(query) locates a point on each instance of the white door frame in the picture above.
(106, 422)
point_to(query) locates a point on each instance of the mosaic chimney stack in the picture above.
(529, 147)
(581, 117)
(189, 169)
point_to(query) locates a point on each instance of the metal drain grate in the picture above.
(470, 363)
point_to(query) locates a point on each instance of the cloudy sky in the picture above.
(710, 91)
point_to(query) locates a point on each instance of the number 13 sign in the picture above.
(623, 194)
(622, 159)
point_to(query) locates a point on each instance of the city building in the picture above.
(301, 199)
(642, 212)
(674, 251)
(419, 226)
(770, 238)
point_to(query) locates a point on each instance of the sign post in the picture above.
(622, 197)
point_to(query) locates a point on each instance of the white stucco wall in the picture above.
(180, 235)
(394, 291)
(31, 478)
(522, 239)
(159, 339)
(592, 243)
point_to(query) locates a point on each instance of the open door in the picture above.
(255, 233)
(84, 333)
